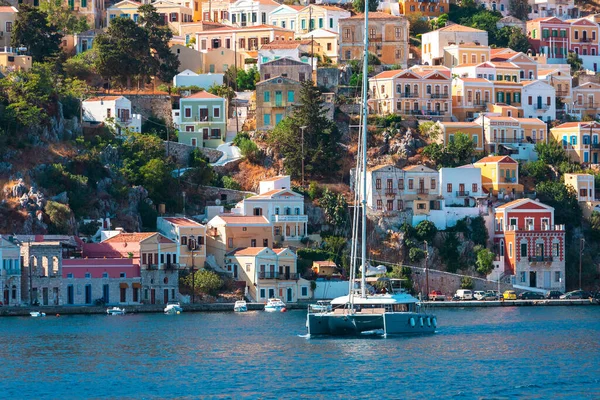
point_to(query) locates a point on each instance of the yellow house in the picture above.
(326, 268)
(268, 273)
(504, 110)
(580, 140)
(470, 97)
(429, 8)
(465, 53)
(584, 37)
(471, 129)
(327, 41)
(586, 99)
(226, 233)
(14, 62)
(215, 11)
(499, 175)
(8, 14)
(249, 38)
(173, 14)
(511, 131)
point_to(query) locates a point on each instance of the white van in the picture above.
(464, 294)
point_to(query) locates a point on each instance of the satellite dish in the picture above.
(218, 202)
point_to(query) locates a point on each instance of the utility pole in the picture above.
(237, 121)
(302, 128)
(581, 244)
(193, 278)
(427, 269)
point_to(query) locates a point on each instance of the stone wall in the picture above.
(182, 151)
(45, 261)
(225, 196)
(151, 104)
(228, 168)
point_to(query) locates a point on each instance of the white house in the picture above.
(114, 111)
(294, 49)
(461, 186)
(328, 39)
(10, 272)
(583, 184)
(283, 207)
(190, 78)
(251, 12)
(539, 100)
(433, 42)
(284, 16)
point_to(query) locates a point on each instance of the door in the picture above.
(45, 296)
(461, 189)
(105, 294)
(547, 275)
(532, 279)
(88, 294)
(287, 272)
(539, 102)
(235, 271)
(70, 295)
(290, 295)
(595, 158)
(166, 296)
(55, 293)
(152, 296)
(278, 98)
(6, 297)
(271, 293)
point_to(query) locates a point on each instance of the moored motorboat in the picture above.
(173, 307)
(240, 306)
(275, 305)
(115, 311)
(321, 306)
(36, 314)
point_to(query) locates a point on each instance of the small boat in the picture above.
(275, 305)
(115, 311)
(321, 306)
(36, 314)
(240, 306)
(173, 307)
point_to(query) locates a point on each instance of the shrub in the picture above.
(485, 261)
(466, 282)
(426, 230)
(416, 254)
(230, 183)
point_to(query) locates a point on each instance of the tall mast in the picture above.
(364, 152)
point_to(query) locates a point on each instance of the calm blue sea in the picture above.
(489, 353)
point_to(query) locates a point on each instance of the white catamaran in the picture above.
(392, 311)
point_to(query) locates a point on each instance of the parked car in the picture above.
(464, 294)
(509, 295)
(487, 296)
(577, 294)
(436, 295)
(495, 293)
(478, 294)
(553, 294)
(530, 296)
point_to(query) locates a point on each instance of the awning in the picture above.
(509, 147)
(123, 285)
(136, 285)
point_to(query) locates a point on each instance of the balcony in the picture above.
(427, 112)
(390, 192)
(595, 145)
(541, 259)
(512, 140)
(563, 93)
(11, 271)
(463, 193)
(439, 95)
(408, 95)
(585, 40)
(292, 276)
(504, 179)
(543, 107)
(289, 218)
(533, 228)
(422, 191)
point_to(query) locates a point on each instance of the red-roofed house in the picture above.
(549, 37)
(417, 91)
(388, 38)
(190, 237)
(529, 245)
(201, 120)
(114, 111)
(500, 175)
(268, 273)
(251, 12)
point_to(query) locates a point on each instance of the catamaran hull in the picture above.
(354, 324)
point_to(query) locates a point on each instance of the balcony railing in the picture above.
(276, 275)
(543, 107)
(585, 40)
(563, 93)
(540, 258)
(463, 193)
(530, 228)
(595, 145)
(390, 192)
(427, 112)
(408, 95)
(587, 106)
(11, 271)
(422, 191)
(289, 218)
(440, 95)
(504, 179)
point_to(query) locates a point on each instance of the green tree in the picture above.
(466, 282)
(426, 230)
(81, 66)
(156, 178)
(457, 152)
(359, 5)
(230, 183)
(518, 41)
(162, 63)
(335, 208)
(449, 252)
(430, 129)
(65, 20)
(538, 170)
(89, 228)
(575, 62)
(595, 225)
(551, 153)
(204, 282)
(486, 20)
(247, 80)
(418, 23)
(60, 218)
(135, 150)
(564, 200)
(250, 150)
(518, 9)
(485, 261)
(439, 22)
(123, 52)
(223, 91)
(33, 31)
(416, 254)
(201, 173)
(321, 136)
(336, 245)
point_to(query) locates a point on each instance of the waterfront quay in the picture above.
(228, 307)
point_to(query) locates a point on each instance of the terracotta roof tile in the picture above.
(242, 219)
(129, 237)
(246, 251)
(182, 221)
(8, 9)
(458, 28)
(203, 95)
(375, 15)
(493, 159)
(387, 74)
(103, 98)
